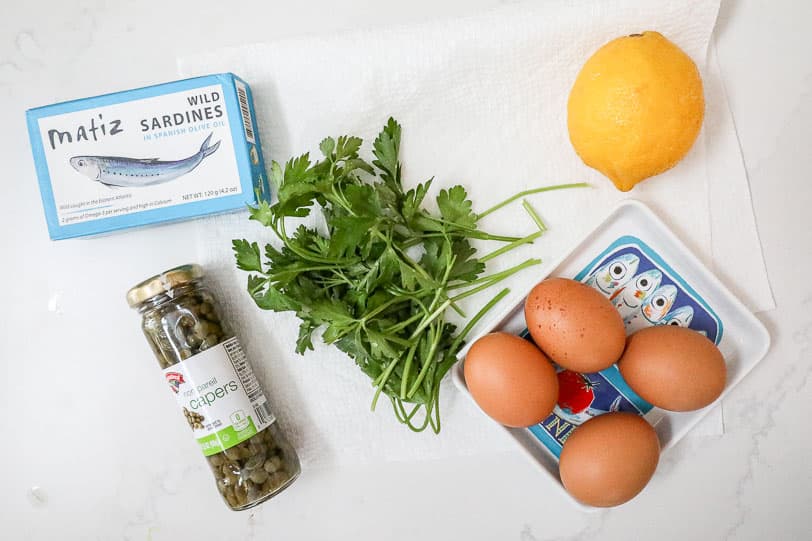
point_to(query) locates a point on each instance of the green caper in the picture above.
(255, 462)
(277, 479)
(232, 453)
(254, 492)
(273, 464)
(186, 322)
(258, 476)
(201, 328)
(241, 493)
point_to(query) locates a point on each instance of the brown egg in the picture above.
(575, 325)
(511, 379)
(673, 368)
(609, 459)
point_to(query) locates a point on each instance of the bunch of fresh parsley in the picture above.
(380, 281)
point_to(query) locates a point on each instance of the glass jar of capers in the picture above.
(215, 387)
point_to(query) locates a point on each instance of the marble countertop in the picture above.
(83, 456)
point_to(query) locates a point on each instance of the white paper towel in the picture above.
(482, 101)
(735, 244)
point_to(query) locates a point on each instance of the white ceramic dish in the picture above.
(693, 297)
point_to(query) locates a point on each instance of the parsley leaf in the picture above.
(247, 254)
(347, 147)
(386, 149)
(348, 232)
(262, 213)
(455, 207)
(327, 146)
(272, 299)
(466, 267)
(413, 200)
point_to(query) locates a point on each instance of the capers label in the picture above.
(214, 385)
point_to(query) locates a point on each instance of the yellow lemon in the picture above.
(635, 108)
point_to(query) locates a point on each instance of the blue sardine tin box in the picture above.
(157, 154)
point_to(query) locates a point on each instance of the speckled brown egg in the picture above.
(510, 379)
(574, 325)
(609, 459)
(673, 368)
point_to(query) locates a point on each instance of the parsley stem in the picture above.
(458, 340)
(470, 231)
(415, 428)
(440, 293)
(402, 416)
(458, 309)
(341, 199)
(508, 247)
(397, 327)
(427, 362)
(435, 409)
(383, 377)
(496, 277)
(397, 405)
(534, 215)
(383, 307)
(406, 368)
(411, 414)
(479, 235)
(409, 261)
(426, 322)
(429, 387)
(276, 274)
(400, 341)
(525, 193)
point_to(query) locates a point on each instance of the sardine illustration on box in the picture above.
(114, 171)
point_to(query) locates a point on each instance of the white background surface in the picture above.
(87, 420)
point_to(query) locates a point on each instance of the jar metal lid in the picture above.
(163, 283)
